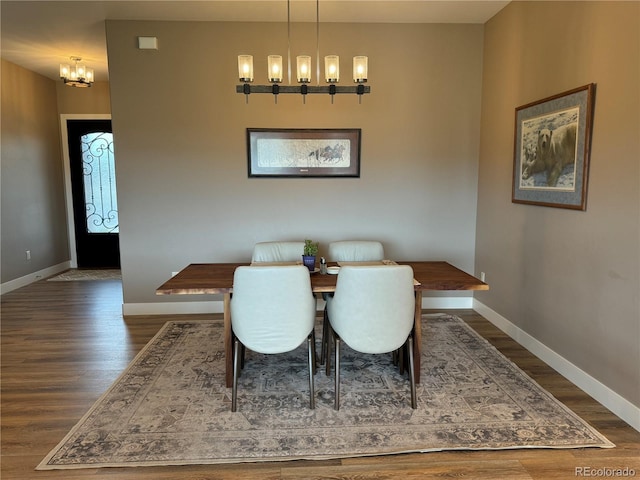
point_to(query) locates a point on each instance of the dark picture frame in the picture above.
(552, 149)
(292, 152)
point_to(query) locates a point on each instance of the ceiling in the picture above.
(39, 35)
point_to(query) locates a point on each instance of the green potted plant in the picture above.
(309, 254)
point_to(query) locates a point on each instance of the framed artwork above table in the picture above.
(290, 152)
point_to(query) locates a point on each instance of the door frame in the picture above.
(66, 169)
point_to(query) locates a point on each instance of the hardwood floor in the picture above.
(64, 343)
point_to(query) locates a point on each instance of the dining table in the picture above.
(217, 279)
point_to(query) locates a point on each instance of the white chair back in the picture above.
(278, 252)
(373, 307)
(356, 251)
(272, 307)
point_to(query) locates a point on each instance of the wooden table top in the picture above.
(217, 278)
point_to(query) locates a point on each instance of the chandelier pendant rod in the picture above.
(318, 42)
(289, 39)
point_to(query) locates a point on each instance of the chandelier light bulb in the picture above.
(332, 68)
(275, 68)
(304, 68)
(245, 68)
(360, 69)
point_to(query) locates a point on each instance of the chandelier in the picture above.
(76, 75)
(303, 71)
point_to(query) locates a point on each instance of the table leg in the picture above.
(417, 335)
(228, 344)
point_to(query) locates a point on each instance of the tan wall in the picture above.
(181, 157)
(33, 209)
(72, 100)
(33, 216)
(568, 278)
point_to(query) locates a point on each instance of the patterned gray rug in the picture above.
(75, 275)
(170, 407)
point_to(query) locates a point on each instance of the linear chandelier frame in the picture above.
(245, 67)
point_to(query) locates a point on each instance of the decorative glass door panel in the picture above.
(99, 172)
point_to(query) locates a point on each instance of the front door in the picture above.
(93, 186)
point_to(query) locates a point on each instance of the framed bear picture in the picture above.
(551, 150)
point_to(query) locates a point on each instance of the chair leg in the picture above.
(401, 358)
(336, 341)
(242, 353)
(312, 368)
(324, 351)
(412, 373)
(236, 362)
(328, 347)
(315, 359)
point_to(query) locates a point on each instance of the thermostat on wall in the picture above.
(148, 43)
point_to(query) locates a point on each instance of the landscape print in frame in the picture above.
(288, 152)
(551, 150)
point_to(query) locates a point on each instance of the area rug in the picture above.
(171, 407)
(75, 275)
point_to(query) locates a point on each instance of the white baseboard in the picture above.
(216, 306)
(34, 277)
(447, 303)
(600, 392)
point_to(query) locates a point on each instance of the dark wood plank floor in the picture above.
(64, 343)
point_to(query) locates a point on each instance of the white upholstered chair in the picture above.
(372, 311)
(277, 252)
(355, 251)
(348, 251)
(272, 311)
